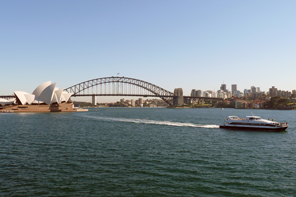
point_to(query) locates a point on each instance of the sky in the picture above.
(190, 44)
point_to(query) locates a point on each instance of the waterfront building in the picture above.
(133, 103)
(238, 104)
(122, 101)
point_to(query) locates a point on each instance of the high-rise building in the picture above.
(272, 91)
(193, 92)
(294, 93)
(253, 89)
(233, 88)
(207, 94)
(223, 87)
(258, 89)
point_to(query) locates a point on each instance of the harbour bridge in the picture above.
(123, 86)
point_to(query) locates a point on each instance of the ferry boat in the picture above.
(253, 123)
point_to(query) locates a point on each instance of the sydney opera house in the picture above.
(45, 98)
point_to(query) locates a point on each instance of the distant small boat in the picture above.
(254, 123)
(222, 108)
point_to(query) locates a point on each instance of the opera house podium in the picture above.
(45, 98)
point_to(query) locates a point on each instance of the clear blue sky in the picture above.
(189, 44)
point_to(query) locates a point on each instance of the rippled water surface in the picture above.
(145, 152)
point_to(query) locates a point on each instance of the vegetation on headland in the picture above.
(280, 103)
(83, 104)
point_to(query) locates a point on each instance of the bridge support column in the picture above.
(178, 99)
(94, 100)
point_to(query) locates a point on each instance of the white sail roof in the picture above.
(21, 96)
(48, 93)
(40, 88)
(30, 98)
(44, 93)
(67, 96)
(58, 94)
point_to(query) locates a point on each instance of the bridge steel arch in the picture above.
(78, 89)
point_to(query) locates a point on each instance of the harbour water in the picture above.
(145, 152)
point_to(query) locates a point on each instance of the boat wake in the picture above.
(155, 122)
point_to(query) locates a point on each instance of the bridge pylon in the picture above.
(94, 99)
(178, 99)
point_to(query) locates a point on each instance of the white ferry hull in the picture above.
(244, 127)
(253, 123)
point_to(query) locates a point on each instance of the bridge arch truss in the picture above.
(119, 86)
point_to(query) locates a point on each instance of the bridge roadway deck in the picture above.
(148, 95)
(135, 95)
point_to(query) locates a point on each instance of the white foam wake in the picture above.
(145, 121)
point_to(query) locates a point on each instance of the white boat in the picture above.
(253, 123)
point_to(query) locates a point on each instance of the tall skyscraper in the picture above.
(193, 92)
(253, 89)
(223, 87)
(198, 93)
(258, 89)
(233, 88)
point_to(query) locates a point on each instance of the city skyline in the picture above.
(272, 91)
(172, 44)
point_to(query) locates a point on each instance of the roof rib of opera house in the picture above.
(44, 93)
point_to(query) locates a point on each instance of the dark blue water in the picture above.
(145, 152)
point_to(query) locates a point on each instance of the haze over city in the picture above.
(172, 44)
